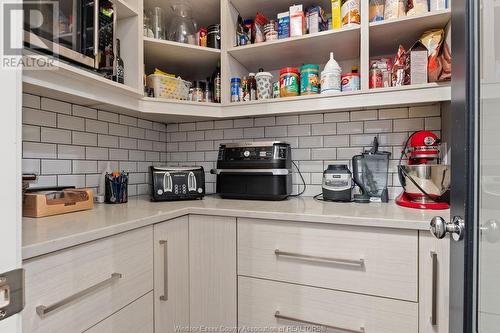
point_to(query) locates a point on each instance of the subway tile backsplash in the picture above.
(69, 144)
(317, 139)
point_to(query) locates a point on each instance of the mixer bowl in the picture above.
(433, 179)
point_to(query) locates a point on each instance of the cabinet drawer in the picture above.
(375, 261)
(264, 303)
(83, 285)
(134, 318)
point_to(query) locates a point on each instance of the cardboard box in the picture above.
(418, 64)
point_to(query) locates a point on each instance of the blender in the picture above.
(370, 174)
(425, 180)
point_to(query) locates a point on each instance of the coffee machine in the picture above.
(426, 181)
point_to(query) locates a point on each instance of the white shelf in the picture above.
(294, 51)
(176, 110)
(124, 9)
(191, 62)
(387, 35)
(374, 98)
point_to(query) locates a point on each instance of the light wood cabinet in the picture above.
(212, 275)
(171, 260)
(134, 318)
(73, 289)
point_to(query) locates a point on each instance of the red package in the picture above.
(400, 68)
(258, 27)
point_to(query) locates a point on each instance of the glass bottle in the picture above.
(216, 85)
(120, 67)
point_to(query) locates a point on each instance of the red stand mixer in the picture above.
(425, 180)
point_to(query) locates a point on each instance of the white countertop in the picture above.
(46, 235)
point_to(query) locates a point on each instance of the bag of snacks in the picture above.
(401, 68)
(376, 10)
(445, 55)
(350, 12)
(259, 24)
(433, 42)
(417, 7)
(394, 9)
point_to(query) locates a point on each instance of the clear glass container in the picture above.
(156, 22)
(182, 28)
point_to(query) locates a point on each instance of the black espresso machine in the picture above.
(254, 170)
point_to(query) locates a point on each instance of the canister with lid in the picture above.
(213, 36)
(264, 84)
(309, 79)
(289, 82)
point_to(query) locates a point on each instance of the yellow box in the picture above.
(336, 14)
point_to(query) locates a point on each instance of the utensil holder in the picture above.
(116, 189)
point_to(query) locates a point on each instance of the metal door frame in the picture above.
(464, 161)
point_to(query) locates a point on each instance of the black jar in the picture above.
(213, 36)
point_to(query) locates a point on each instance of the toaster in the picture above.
(177, 183)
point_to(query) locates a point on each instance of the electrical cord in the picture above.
(303, 182)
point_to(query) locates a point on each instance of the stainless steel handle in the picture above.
(350, 262)
(43, 310)
(278, 315)
(439, 228)
(96, 29)
(164, 297)
(434, 288)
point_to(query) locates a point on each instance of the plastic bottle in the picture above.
(330, 77)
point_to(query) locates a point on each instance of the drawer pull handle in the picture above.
(278, 315)
(434, 288)
(349, 262)
(43, 310)
(164, 297)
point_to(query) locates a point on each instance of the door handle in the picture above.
(434, 288)
(339, 261)
(164, 297)
(43, 310)
(439, 228)
(278, 315)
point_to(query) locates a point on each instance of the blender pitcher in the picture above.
(182, 27)
(370, 173)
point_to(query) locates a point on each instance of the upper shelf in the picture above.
(387, 35)
(294, 51)
(191, 62)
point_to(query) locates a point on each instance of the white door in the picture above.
(10, 165)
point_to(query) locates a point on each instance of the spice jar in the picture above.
(213, 36)
(198, 91)
(309, 79)
(235, 89)
(289, 82)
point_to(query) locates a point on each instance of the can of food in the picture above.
(235, 89)
(213, 36)
(289, 82)
(264, 84)
(350, 82)
(309, 79)
(276, 89)
(376, 79)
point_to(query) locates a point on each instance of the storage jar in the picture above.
(309, 79)
(289, 82)
(264, 85)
